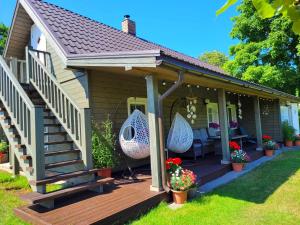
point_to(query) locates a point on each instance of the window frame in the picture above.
(233, 109)
(136, 101)
(215, 107)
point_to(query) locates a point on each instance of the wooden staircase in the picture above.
(47, 133)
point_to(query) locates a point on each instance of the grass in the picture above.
(269, 195)
(10, 190)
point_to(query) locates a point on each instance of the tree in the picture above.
(267, 53)
(270, 8)
(3, 36)
(214, 58)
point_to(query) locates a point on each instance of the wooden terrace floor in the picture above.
(123, 201)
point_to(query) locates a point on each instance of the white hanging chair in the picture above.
(180, 137)
(134, 136)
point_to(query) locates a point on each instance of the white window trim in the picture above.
(214, 106)
(136, 101)
(233, 111)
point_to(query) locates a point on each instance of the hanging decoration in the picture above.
(240, 114)
(266, 110)
(134, 136)
(191, 109)
(180, 137)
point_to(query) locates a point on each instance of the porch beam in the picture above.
(153, 113)
(257, 123)
(223, 126)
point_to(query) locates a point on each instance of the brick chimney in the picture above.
(128, 25)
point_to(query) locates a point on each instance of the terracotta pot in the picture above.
(4, 158)
(269, 152)
(237, 167)
(297, 143)
(104, 172)
(289, 143)
(179, 197)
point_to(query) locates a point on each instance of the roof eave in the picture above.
(223, 77)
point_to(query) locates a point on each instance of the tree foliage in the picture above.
(268, 52)
(270, 8)
(3, 36)
(215, 58)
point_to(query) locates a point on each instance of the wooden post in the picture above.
(37, 146)
(15, 165)
(257, 123)
(86, 137)
(152, 96)
(14, 66)
(223, 126)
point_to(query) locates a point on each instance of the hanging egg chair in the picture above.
(134, 136)
(180, 137)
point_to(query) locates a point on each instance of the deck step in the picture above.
(35, 198)
(25, 157)
(49, 117)
(64, 163)
(63, 152)
(56, 133)
(66, 176)
(58, 142)
(52, 125)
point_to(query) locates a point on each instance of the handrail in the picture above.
(75, 120)
(25, 116)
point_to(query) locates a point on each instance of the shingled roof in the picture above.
(78, 35)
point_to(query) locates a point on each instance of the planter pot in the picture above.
(297, 143)
(289, 143)
(192, 193)
(104, 172)
(179, 197)
(269, 152)
(4, 158)
(238, 167)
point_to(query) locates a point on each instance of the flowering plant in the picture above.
(214, 125)
(239, 156)
(297, 137)
(270, 145)
(173, 164)
(234, 146)
(182, 180)
(266, 138)
(233, 124)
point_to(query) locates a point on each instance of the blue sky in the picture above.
(189, 26)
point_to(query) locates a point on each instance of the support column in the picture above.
(258, 123)
(15, 165)
(223, 126)
(152, 97)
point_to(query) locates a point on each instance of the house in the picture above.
(60, 70)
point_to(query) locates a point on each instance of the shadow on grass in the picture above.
(262, 182)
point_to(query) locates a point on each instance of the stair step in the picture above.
(49, 117)
(65, 176)
(56, 133)
(58, 142)
(8, 126)
(52, 125)
(35, 198)
(64, 163)
(19, 146)
(25, 157)
(29, 169)
(49, 154)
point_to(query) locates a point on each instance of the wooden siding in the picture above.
(20, 34)
(74, 82)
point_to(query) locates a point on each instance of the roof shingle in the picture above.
(79, 35)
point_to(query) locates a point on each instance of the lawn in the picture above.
(268, 195)
(10, 190)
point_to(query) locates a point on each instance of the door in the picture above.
(38, 41)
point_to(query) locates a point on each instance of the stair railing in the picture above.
(75, 120)
(26, 118)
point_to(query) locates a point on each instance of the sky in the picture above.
(189, 26)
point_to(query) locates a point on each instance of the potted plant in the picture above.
(288, 132)
(3, 152)
(233, 124)
(172, 164)
(297, 140)
(266, 138)
(238, 156)
(270, 147)
(181, 181)
(104, 148)
(215, 126)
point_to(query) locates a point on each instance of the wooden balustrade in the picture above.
(75, 120)
(25, 116)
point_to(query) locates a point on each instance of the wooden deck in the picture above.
(123, 201)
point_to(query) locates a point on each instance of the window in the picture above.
(212, 113)
(137, 103)
(231, 115)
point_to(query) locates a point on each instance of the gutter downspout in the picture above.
(161, 128)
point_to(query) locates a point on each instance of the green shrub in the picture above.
(3, 147)
(288, 131)
(104, 145)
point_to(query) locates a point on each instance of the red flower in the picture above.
(266, 138)
(177, 161)
(234, 146)
(1, 155)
